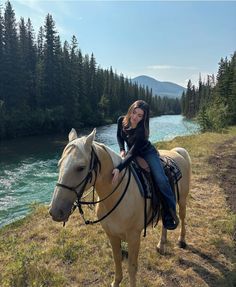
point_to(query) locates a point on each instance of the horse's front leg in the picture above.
(116, 248)
(133, 251)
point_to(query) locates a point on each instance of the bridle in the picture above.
(94, 166)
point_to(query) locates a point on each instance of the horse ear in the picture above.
(90, 138)
(72, 135)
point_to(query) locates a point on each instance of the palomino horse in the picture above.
(86, 163)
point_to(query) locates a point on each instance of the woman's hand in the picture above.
(122, 153)
(115, 173)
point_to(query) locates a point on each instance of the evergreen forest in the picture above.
(50, 87)
(213, 102)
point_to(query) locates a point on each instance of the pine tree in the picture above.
(73, 99)
(222, 78)
(39, 77)
(2, 102)
(84, 104)
(66, 84)
(31, 65)
(58, 72)
(107, 99)
(1, 59)
(232, 90)
(188, 99)
(24, 72)
(40, 43)
(49, 87)
(93, 91)
(10, 67)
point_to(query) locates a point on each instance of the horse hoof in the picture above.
(182, 244)
(114, 284)
(124, 254)
(161, 250)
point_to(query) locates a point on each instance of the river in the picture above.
(28, 166)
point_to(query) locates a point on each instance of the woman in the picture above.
(133, 129)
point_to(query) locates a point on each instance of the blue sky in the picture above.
(167, 40)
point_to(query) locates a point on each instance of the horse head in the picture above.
(75, 175)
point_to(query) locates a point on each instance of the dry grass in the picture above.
(38, 252)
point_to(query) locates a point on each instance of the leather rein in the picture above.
(94, 166)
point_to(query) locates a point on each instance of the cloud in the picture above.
(37, 10)
(30, 9)
(170, 67)
(59, 7)
(33, 5)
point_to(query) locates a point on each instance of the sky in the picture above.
(168, 40)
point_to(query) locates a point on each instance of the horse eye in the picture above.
(80, 168)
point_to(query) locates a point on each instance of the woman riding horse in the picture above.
(133, 129)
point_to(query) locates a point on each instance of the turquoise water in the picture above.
(28, 166)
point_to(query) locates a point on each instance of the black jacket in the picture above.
(135, 140)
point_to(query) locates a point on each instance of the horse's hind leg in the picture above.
(133, 250)
(182, 215)
(182, 242)
(116, 248)
(163, 240)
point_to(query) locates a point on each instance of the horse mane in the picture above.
(78, 142)
(116, 159)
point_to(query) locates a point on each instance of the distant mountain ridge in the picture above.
(169, 89)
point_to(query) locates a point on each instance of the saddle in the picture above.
(147, 187)
(142, 172)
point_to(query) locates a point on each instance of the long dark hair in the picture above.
(145, 121)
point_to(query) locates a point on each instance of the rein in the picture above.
(113, 208)
(94, 166)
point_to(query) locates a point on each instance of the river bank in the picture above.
(36, 251)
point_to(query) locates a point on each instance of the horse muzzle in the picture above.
(59, 215)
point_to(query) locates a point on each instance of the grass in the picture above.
(36, 251)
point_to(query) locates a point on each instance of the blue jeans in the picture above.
(152, 158)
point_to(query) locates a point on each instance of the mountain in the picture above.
(169, 89)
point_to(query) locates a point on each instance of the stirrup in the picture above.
(174, 215)
(173, 222)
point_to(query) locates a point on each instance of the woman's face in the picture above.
(136, 116)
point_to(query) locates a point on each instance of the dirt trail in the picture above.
(224, 164)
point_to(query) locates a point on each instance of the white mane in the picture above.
(116, 159)
(78, 143)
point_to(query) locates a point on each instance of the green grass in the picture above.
(36, 251)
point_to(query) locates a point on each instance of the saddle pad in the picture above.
(143, 180)
(171, 167)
